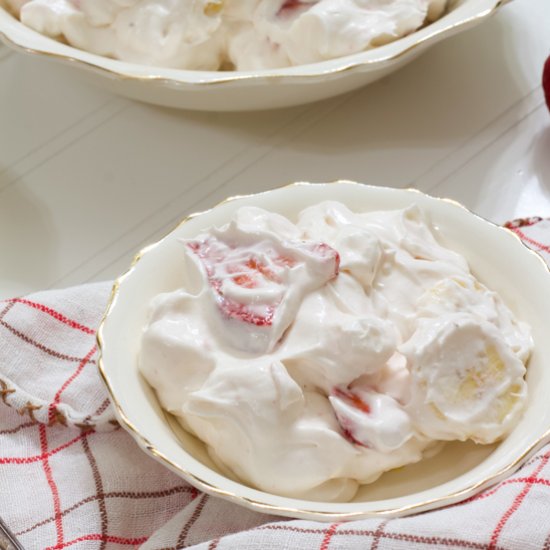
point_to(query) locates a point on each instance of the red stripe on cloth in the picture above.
(57, 397)
(113, 494)
(53, 313)
(213, 544)
(517, 503)
(43, 455)
(10, 431)
(419, 539)
(378, 534)
(536, 459)
(38, 345)
(192, 520)
(532, 480)
(99, 491)
(97, 536)
(424, 540)
(51, 483)
(494, 490)
(328, 535)
(102, 407)
(5, 310)
(524, 237)
(291, 528)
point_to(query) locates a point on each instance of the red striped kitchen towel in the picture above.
(70, 477)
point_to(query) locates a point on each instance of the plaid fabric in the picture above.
(71, 477)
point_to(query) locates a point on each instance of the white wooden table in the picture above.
(87, 178)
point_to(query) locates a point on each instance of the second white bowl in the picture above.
(246, 90)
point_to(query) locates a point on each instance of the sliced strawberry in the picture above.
(546, 81)
(371, 419)
(291, 7)
(344, 401)
(261, 283)
(352, 399)
(245, 269)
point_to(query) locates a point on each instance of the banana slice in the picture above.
(464, 293)
(467, 383)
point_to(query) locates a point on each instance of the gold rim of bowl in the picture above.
(282, 510)
(235, 76)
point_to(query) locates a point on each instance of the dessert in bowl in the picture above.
(236, 35)
(496, 258)
(286, 54)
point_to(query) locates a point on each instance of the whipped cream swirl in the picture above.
(311, 357)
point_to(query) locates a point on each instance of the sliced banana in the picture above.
(464, 293)
(467, 383)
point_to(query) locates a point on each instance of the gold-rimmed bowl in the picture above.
(496, 256)
(247, 90)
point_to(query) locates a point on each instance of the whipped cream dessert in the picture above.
(311, 357)
(240, 34)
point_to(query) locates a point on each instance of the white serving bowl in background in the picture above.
(496, 256)
(247, 90)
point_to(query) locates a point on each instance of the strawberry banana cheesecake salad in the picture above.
(311, 357)
(240, 34)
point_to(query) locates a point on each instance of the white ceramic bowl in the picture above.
(247, 90)
(496, 256)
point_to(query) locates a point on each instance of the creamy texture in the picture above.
(311, 357)
(168, 33)
(209, 34)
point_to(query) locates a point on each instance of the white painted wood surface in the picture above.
(87, 178)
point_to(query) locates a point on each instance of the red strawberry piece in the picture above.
(546, 81)
(259, 268)
(222, 262)
(291, 7)
(347, 424)
(352, 399)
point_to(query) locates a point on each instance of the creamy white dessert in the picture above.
(311, 357)
(209, 34)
